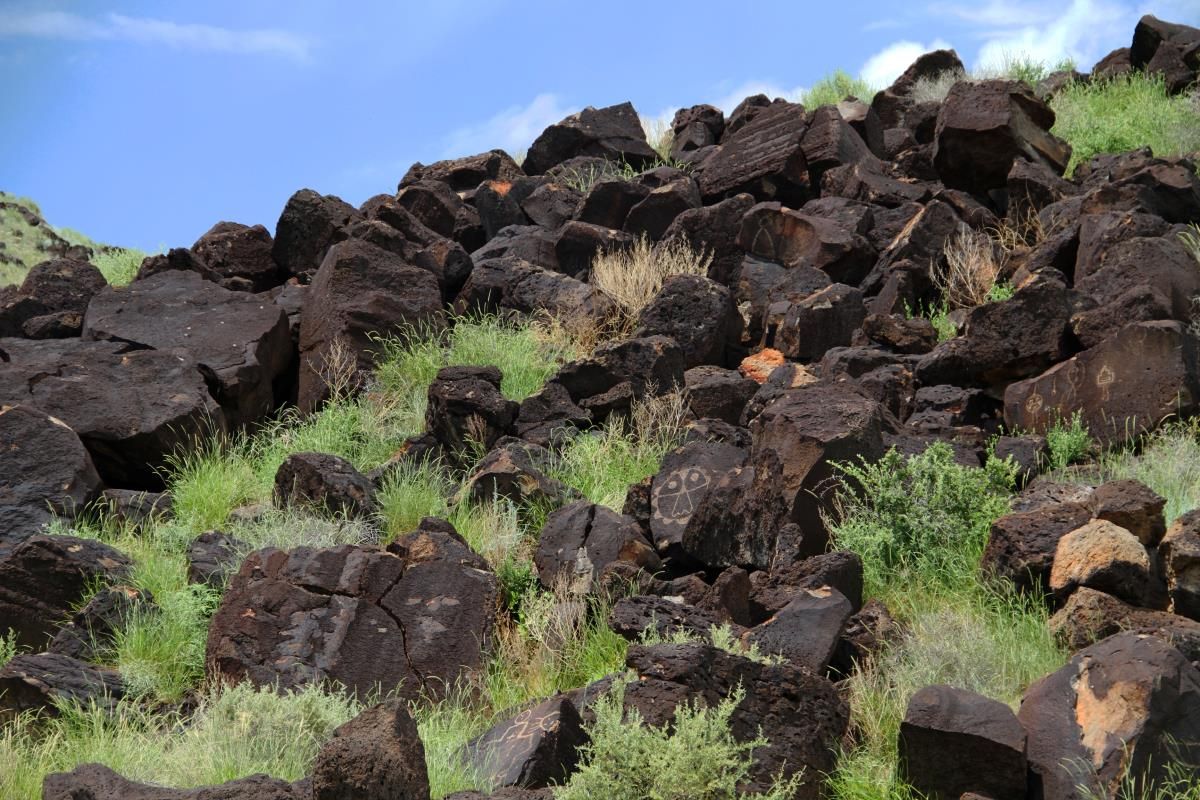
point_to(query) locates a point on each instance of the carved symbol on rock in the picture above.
(682, 492)
(1105, 378)
(1033, 405)
(526, 726)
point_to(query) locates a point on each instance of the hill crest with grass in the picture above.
(842, 448)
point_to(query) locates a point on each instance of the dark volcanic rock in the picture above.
(240, 255)
(130, 409)
(512, 283)
(44, 471)
(536, 748)
(805, 631)
(212, 557)
(637, 617)
(1021, 545)
(309, 225)
(92, 628)
(464, 174)
(360, 292)
(983, 126)
(1089, 616)
(1145, 373)
(466, 412)
(324, 481)
(240, 342)
(1128, 704)
(682, 482)
(415, 617)
(378, 755)
(954, 742)
(580, 539)
(98, 782)
(1179, 558)
(717, 393)
(38, 682)
(764, 158)
(699, 314)
(802, 711)
(614, 133)
(44, 578)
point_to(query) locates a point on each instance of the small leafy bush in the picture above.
(924, 515)
(8, 647)
(694, 758)
(1068, 441)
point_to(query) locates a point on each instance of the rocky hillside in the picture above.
(27, 240)
(795, 457)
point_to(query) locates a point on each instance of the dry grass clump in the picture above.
(633, 277)
(659, 135)
(935, 88)
(971, 269)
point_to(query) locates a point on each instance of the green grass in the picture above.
(119, 265)
(1124, 113)
(938, 315)
(8, 647)
(604, 463)
(694, 758)
(920, 524)
(836, 87)
(235, 732)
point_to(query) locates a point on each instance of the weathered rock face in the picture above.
(44, 471)
(717, 393)
(1129, 703)
(212, 557)
(614, 133)
(825, 319)
(130, 409)
(954, 742)
(699, 314)
(1134, 506)
(636, 617)
(764, 158)
(413, 617)
(464, 174)
(580, 539)
(327, 482)
(359, 292)
(803, 711)
(241, 255)
(795, 239)
(1179, 557)
(35, 683)
(309, 225)
(681, 484)
(240, 342)
(514, 469)
(983, 126)
(98, 782)
(1140, 376)
(375, 756)
(513, 283)
(1101, 556)
(44, 578)
(1089, 616)
(536, 748)
(466, 411)
(1021, 545)
(805, 631)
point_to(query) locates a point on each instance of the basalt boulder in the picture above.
(1089, 616)
(378, 755)
(466, 411)
(699, 314)
(807, 630)
(538, 747)
(240, 255)
(464, 174)
(98, 782)
(765, 158)
(325, 482)
(1179, 559)
(38, 683)
(581, 539)
(240, 342)
(614, 133)
(308, 226)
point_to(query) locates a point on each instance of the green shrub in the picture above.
(118, 265)
(694, 758)
(235, 732)
(923, 515)
(1125, 113)
(8, 647)
(938, 315)
(836, 87)
(1068, 441)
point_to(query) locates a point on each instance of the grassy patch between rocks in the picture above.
(836, 87)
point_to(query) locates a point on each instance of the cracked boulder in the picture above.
(241, 342)
(131, 409)
(699, 314)
(512, 283)
(45, 471)
(764, 157)
(44, 578)
(1089, 616)
(579, 540)
(240, 255)
(1128, 705)
(806, 631)
(415, 617)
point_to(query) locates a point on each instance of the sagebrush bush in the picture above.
(234, 732)
(694, 758)
(924, 515)
(633, 277)
(1124, 113)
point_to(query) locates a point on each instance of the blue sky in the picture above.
(143, 124)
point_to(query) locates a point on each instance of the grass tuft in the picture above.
(836, 87)
(633, 277)
(119, 265)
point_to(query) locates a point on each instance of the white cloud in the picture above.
(117, 27)
(728, 101)
(512, 129)
(1084, 31)
(889, 63)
